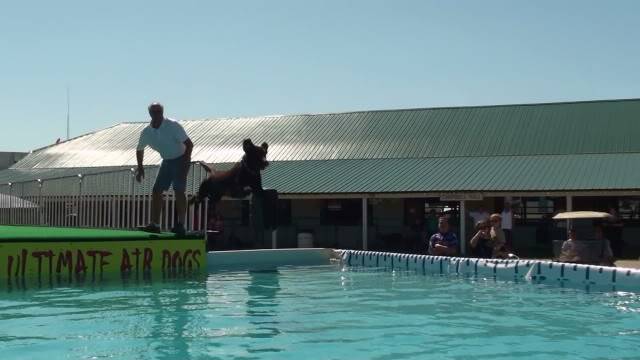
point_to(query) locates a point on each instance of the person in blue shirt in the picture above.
(443, 242)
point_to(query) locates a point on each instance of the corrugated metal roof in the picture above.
(534, 129)
(489, 174)
(539, 147)
(580, 172)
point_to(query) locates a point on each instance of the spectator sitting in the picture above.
(605, 255)
(481, 246)
(569, 252)
(497, 237)
(443, 242)
(595, 252)
(507, 225)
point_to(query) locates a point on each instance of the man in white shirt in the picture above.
(167, 137)
(507, 225)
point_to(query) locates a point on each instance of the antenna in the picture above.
(67, 112)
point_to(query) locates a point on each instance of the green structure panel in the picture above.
(42, 233)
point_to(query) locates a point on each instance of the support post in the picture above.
(463, 228)
(257, 220)
(80, 202)
(274, 239)
(40, 205)
(365, 224)
(569, 208)
(11, 204)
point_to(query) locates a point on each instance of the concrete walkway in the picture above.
(634, 264)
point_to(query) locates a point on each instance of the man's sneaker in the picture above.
(179, 230)
(151, 228)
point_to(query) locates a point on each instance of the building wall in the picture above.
(387, 230)
(7, 159)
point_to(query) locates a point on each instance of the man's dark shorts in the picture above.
(171, 172)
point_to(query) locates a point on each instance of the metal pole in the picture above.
(99, 189)
(46, 203)
(108, 210)
(130, 198)
(569, 208)
(119, 201)
(40, 205)
(80, 202)
(11, 204)
(114, 193)
(165, 211)
(143, 190)
(274, 239)
(205, 221)
(365, 224)
(191, 210)
(149, 197)
(463, 228)
(135, 203)
(172, 213)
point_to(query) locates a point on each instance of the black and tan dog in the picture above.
(241, 180)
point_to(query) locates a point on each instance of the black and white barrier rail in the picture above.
(544, 272)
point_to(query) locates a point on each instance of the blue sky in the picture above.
(242, 58)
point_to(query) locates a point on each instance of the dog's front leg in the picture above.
(256, 186)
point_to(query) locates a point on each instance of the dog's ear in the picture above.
(265, 146)
(246, 145)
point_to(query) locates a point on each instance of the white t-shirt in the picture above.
(507, 220)
(168, 139)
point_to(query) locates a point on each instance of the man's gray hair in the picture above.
(155, 105)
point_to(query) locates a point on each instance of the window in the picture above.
(416, 211)
(344, 212)
(532, 210)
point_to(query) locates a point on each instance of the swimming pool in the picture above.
(318, 312)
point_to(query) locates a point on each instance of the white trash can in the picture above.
(305, 240)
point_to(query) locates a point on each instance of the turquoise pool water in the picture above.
(318, 313)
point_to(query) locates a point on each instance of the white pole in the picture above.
(40, 204)
(191, 209)
(11, 204)
(274, 239)
(173, 210)
(135, 202)
(569, 208)
(365, 225)
(463, 228)
(130, 199)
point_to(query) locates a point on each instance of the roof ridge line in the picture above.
(404, 109)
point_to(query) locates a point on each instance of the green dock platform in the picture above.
(43, 233)
(54, 252)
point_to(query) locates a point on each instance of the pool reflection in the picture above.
(262, 304)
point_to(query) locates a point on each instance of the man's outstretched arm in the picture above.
(140, 170)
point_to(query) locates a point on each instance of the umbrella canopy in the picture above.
(570, 215)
